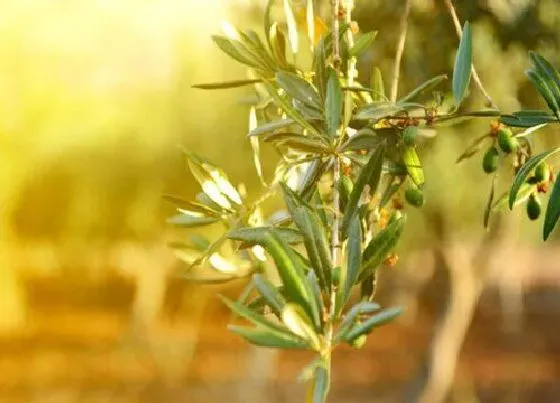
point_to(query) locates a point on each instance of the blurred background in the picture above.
(95, 103)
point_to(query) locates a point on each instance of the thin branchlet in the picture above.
(403, 28)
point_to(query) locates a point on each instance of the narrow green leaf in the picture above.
(182, 204)
(190, 221)
(213, 180)
(381, 245)
(413, 165)
(527, 118)
(382, 318)
(549, 75)
(290, 111)
(379, 110)
(306, 144)
(291, 271)
(314, 235)
(524, 172)
(270, 294)
(255, 145)
(298, 88)
(295, 319)
(252, 316)
(410, 133)
(544, 89)
(378, 87)
(369, 175)
(265, 338)
(271, 127)
(552, 210)
(425, 86)
(361, 308)
(267, 21)
(462, 68)
(317, 300)
(226, 84)
(258, 235)
(254, 44)
(489, 204)
(333, 103)
(320, 67)
(277, 42)
(349, 277)
(236, 50)
(365, 139)
(312, 175)
(362, 43)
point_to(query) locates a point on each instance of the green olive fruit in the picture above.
(490, 160)
(533, 207)
(409, 135)
(359, 342)
(542, 172)
(414, 196)
(336, 276)
(506, 141)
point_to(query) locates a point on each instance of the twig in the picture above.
(335, 11)
(352, 62)
(475, 76)
(400, 51)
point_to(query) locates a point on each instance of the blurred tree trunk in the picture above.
(468, 273)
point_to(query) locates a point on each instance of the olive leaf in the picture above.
(365, 327)
(226, 84)
(349, 276)
(191, 219)
(269, 293)
(362, 42)
(369, 175)
(258, 235)
(527, 118)
(550, 78)
(380, 246)
(425, 86)
(552, 210)
(543, 86)
(314, 235)
(333, 103)
(267, 338)
(524, 172)
(462, 67)
(378, 88)
(298, 88)
(295, 319)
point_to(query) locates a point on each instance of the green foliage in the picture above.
(330, 129)
(462, 69)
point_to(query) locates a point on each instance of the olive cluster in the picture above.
(507, 143)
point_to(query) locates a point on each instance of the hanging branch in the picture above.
(400, 51)
(475, 76)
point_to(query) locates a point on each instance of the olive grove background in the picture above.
(95, 102)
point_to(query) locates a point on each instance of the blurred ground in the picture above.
(95, 100)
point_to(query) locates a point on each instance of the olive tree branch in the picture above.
(400, 50)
